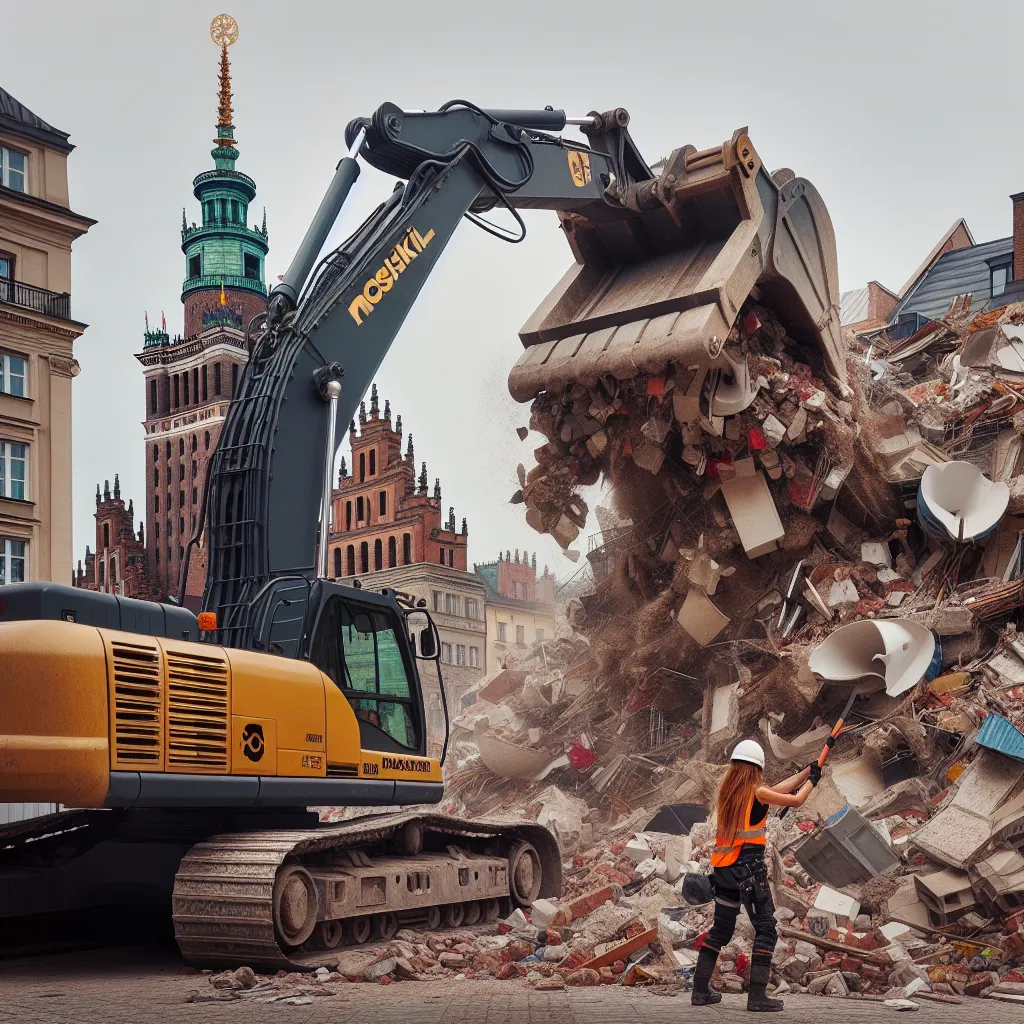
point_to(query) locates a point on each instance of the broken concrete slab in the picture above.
(753, 514)
(700, 618)
(957, 834)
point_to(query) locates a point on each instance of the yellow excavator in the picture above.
(188, 748)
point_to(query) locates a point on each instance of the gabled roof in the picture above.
(936, 253)
(957, 272)
(17, 119)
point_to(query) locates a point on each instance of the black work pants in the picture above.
(735, 888)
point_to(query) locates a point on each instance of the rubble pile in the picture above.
(766, 553)
(779, 541)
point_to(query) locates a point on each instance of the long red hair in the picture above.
(739, 784)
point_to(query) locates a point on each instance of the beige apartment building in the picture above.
(37, 336)
(455, 600)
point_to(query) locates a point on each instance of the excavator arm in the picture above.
(333, 326)
(663, 265)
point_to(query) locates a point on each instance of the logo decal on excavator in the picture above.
(579, 167)
(384, 279)
(252, 742)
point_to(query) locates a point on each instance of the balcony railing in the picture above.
(55, 304)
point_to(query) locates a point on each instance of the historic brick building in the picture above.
(190, 380)
(119, 564)
(383, 515)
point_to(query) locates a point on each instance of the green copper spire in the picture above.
(223, 253)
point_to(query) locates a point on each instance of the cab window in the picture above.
(359, 650)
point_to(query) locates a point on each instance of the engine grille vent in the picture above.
(137, 705)
(197, 712)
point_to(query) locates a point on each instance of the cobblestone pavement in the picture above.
(145, 986)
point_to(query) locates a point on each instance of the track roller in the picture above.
(295, 905)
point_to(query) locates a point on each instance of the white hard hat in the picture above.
(750, 751)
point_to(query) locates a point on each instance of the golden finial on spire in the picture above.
(224, 32)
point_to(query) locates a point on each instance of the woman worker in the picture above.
(740, 873)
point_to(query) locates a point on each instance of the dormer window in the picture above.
(252, 267)
(195, 265)
(14, 169)
(1000, 274)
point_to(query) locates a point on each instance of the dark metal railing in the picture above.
(56, 304)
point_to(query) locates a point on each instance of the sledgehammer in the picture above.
(833, 736)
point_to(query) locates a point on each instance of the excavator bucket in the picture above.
(663, 283)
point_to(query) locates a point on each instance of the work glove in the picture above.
(815, 776)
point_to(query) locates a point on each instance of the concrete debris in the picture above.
(775, 539)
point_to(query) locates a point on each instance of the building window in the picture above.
(348, 515)
(156, 502)
(451, 558)
(521, 635)
(373, 462)
(195, 265)
(351, 560)
(115, 576)
(359, 511)
(6, 276)
(181, 524)
(103, 573)
(195, 469)
(502, 632)
(252, 267)
(406, 548)
(195, 384)
(216, 378)
(364, 557)
(181, 499)
(177, 391)
(382, 502)
(168, 449)
(474, 657)
(106, 536)
(195, 444)
(539, 634)
(181, 471)
(205, 383)
(446, 653)
(14, 169)
(452, 604)
(156, 478)
(515, 590)
(362, 469)
(1000, 275)
(184, 386)
(460, 654)
(156, 527)
(13, 472)
(392, 553)
(234, 379)
(156, 555)
(471, 608)
(442, 556)
(181, 440)
(152, 397)
(195, 495)
(337, 562)
(168, 535)
(206, 441)
(378, 555)
(438, 601)
(12, 374)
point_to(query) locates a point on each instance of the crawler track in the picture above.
(224, 890)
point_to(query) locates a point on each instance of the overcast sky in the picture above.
(899, 112)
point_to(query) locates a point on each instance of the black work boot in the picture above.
(758, 999)
(702, 993)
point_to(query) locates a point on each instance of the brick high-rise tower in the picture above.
(190, 380)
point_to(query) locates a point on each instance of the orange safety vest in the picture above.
(727, 848)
